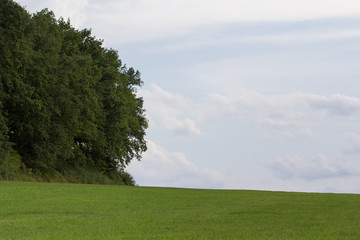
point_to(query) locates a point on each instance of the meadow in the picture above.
(36, 211)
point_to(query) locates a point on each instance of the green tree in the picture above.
(66, 102)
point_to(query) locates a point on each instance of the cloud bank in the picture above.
(160, 167)
(139, 20)
(158, 18)
(353, 140)
(319, 167)
(293, 116)
(75, 10)
(170, 111)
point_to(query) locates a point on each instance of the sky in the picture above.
(240, 94)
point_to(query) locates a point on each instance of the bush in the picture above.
(122, 177)
(10, 165)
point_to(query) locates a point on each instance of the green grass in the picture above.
(71, 211)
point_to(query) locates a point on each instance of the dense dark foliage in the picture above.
(68, 106)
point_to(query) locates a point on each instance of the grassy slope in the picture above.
(69, 211)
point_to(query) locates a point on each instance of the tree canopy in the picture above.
(68, 106)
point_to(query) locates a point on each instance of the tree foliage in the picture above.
(66, 102)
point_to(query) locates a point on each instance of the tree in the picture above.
(66, 102)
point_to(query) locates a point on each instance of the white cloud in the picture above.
(292, 115)
(303, 133)
(319, 167)
(350, 185)
(150, 18)
(73, 9)
(214, 38)
(354, 143)
(296, 103)
(160, 18)
(309, 36)
(139, 20)
(278, 123)
(170, 111)
(336, 104)
(160, 167)
(292, 112)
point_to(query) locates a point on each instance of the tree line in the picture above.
(69, 109)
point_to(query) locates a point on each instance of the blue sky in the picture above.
(240, 94)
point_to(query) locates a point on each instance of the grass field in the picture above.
(69, 211)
